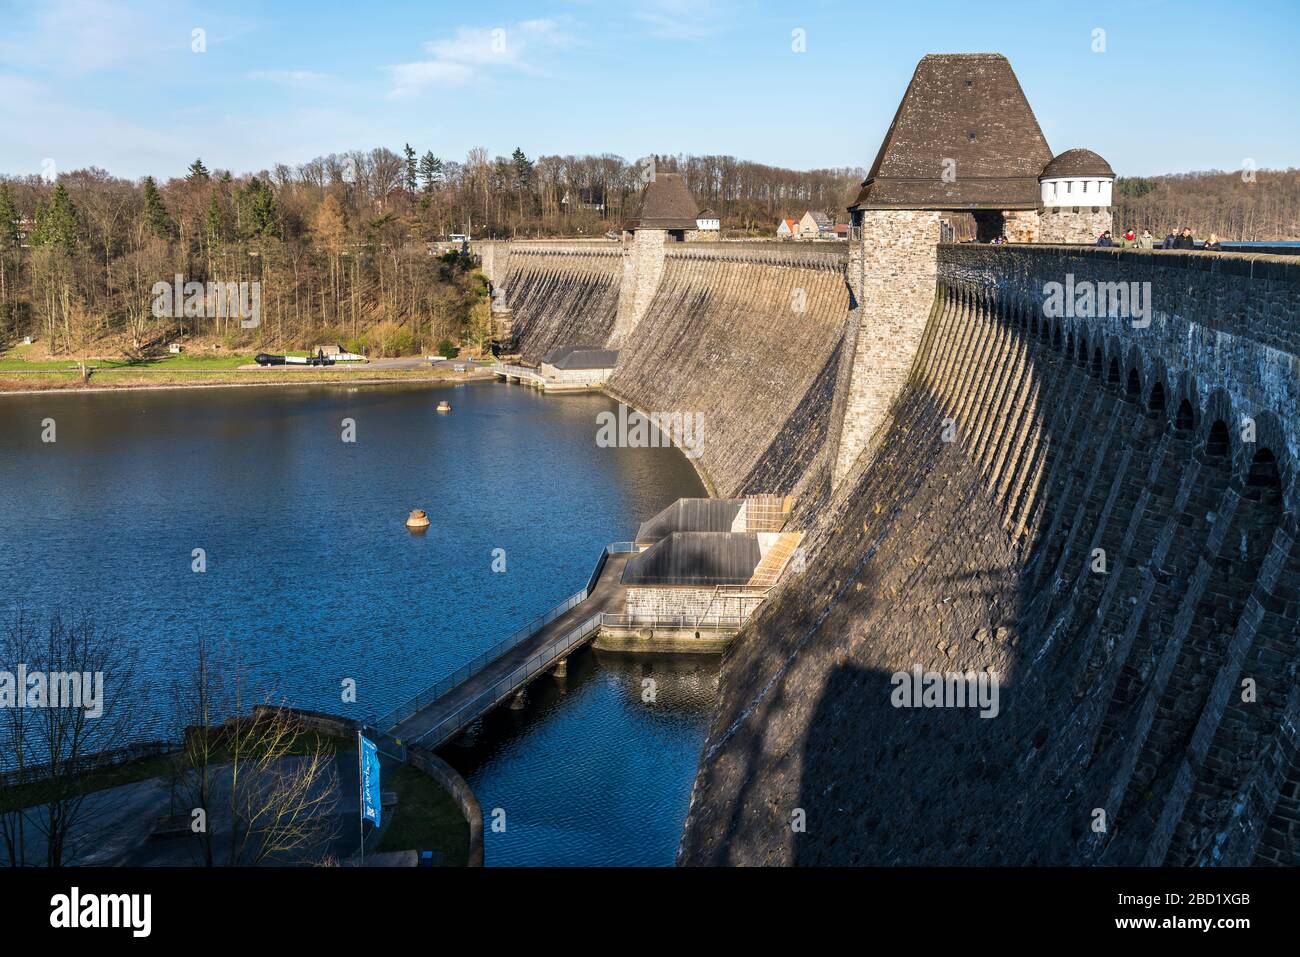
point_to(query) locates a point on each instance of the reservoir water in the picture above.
(311, 578)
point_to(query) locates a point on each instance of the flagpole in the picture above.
(361, 798)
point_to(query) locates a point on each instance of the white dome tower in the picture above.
(1076, 197)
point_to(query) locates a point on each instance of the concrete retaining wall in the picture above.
(461, 793)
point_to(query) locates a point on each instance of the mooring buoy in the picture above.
(417, 521)
(444, 406)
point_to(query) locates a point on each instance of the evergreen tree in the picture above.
(10, 236)
(155, 212)
(410, 168)
(431, 173)
(214, 223)
(56, 222)
(261, 217)
(523, 169)
(198, 170)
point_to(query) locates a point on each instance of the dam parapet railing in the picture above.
(432, 693)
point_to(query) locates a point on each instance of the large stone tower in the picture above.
(964, 139)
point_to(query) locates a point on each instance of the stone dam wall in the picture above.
(559, 293)
(1101, 513)
(746, 333)
(749, 337)
(1148, 703)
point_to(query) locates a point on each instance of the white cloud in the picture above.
(471, 51)
(684, 19)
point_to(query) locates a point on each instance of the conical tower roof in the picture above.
(667, 204)
(964, 137)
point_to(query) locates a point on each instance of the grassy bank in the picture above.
(42, 792)
(426, 818)
(29, 368)
(136, 378)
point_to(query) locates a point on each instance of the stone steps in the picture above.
(1223, 598)
(1150, 513)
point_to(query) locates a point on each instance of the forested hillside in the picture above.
(1239, 206)
(342, 245)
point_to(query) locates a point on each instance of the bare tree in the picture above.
(77, 691)
(259, 786)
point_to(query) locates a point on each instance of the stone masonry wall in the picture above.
(681, 602)
(643, 267)
(1021, 450)
(558, 294)
(1064, 225)
(1021, 226)
(891, 275)
(746, 335)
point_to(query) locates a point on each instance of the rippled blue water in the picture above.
(312, 578)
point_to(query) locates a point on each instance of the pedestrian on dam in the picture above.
(1104, 239)
(1146, 240)
(1169, 242)
(1212, 244)
(1185, 240)
(1129, 239)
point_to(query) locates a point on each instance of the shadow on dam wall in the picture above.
(968, 539)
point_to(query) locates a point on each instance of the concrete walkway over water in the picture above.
(481, 692)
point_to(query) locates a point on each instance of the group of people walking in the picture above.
(1180, 240)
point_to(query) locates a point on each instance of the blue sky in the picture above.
(1180, 85)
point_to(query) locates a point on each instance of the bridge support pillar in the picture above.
(469, 737)
(561, 668)
(519, 701)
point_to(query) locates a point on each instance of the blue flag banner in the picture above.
(370, 801)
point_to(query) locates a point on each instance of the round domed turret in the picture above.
(1077, 177)
(1077, 163)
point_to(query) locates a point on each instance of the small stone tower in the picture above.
(668, 215)
(1076, 196)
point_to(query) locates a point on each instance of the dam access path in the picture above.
(441, 712)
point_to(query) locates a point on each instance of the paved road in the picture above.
(406, 363)
(606, 597)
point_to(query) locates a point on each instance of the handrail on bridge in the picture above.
(435, 691)
(506, 368)
(449, 726)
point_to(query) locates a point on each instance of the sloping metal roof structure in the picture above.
(696, 558)
(691, 515)
(581, 357)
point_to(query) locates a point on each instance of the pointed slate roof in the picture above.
(967, 108)
(667, 204)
